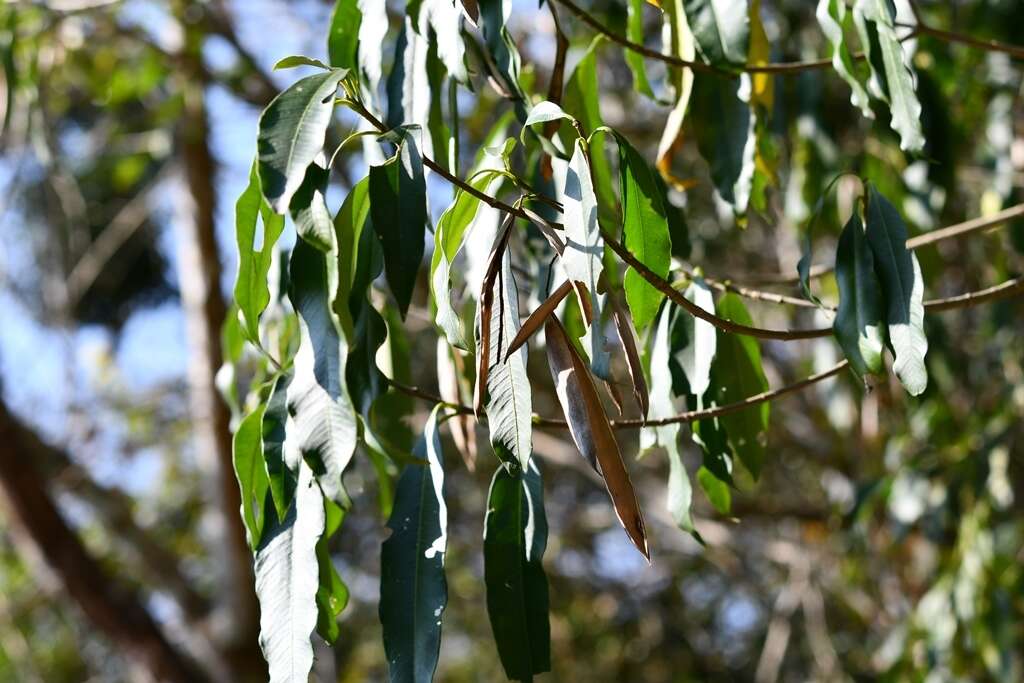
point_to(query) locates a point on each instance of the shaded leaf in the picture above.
(724, 128)
(591, 431)
(247, 456)
(630, 343)
(836, 20)
(413, 589)
(515, 536)
(634, 60)
(858, 325)
(492, 21)
(282, 467)
(291, 135)
(682, 45)
(903, 288)
(251, 292)
(398, 206)
(721, 28)
(332, 594)
(308, 209)
(287, 580)
(539, 316)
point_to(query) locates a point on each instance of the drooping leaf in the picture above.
(485, 315)
(509, 402)
(291, 135)
(736, 375)
(251, 291)
(716, 490)
(332, 593)
(724, 128)
(494, 15)
(247, 451)
(892, 76)
(349, 226)
(684, 46)
(631, 351)
(287, 580)
(903, 288)
(515, 536)
(836, 22)
(584, 249)
(634, 60)
(858, 325)
(343, 39)
(701, 339)
(539, 316)
(445, 20)
(308, 208)
(582, 100)
(721, 28)
(453, 387)
(646, 232)
(282, 466)
(413, 589)
(408, 88)
(398, 207)
(324, 420)
(591, 431)
(715, 473)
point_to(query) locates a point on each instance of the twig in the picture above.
(1015, 51)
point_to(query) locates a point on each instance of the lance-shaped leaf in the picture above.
(494, 15)
(453, 387)
(591, 431)
(282, 466)
(343, 39)
(724, 128)
(646, 232)
(539, 316)
(736, 375)
(892, 77)
(634, 60)
(682, 45)
(445, 20)
(630, 348)
(836, 20)
(449, 236)
(413, 589)
(721, 28)
(515, 536)
(509, 403)
(858, 325)
(667, 436)
(324, 420)
(699, 339)
(903, 288)
(584, 249)
(291, 135)
(308, 208)
(287, 580)
(408, 84)
(485, 315)
(251, 292)
(332, 594)
(398, 207)
(247, 455)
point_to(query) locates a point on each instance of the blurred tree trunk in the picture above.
(199, 276)
(113, 607)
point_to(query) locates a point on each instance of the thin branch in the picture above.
(748, 292)
(1015, 51)
(1000, 291)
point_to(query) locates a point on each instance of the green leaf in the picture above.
(858, 325)
(309, 212)
(545, 111)
(737, 374)
(408, 86)
(683, 45)
(445, 20)
(247, 450)
(509, 404)
(291, 134)
(698, 352)
(332, 593)
(413, 590)
(716, 490)
(724, 128)
(449, 236)
(721, 28)
(646, 232)
(398, 207)
(903, 289)
(836, 20)
(582, 100)
(287, 580)
(282, 466)
(584, 248)
(634, 60)
(349, 227)
(515, 536)
(251, 292)
(493, 16)
(299, 60)
(892, 76)
(343, 39)
(324, 420)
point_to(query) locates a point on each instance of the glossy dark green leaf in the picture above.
(736, 375)
(287, 580)
(332, 593)
(413, 589)
(515, 536)
(858, 325)
(282, 465)
(509, 403)
(323, 418)
(836, 23)
(343, 39)
(582, 99)
(903, 289)
(398, 207)
(291, 135)
(646, 232)
(247, 449)
(721, 28)
(308, 208)
(408, 87)
(251, 292)
(724, 128)
(892, 77)
(502, 49)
